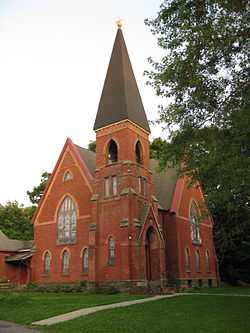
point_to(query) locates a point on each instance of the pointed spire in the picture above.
(120, 97)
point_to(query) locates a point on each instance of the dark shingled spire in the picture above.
(120, 98)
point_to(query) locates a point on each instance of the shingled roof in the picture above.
(13, 245)
(120, 97)
(164, 182)
(88, 157)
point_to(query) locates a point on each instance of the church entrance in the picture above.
(152, 255)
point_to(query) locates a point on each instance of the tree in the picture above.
(157, 147)
(37, 192)
(204, 79)
(15, 220)
(92, 146)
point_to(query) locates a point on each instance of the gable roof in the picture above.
(86, 164)
(164, 182)
(88, 157)
(13, 245)
(120, 99)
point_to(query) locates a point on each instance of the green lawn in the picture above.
(183, 314)
(224, 290)
(27, 307)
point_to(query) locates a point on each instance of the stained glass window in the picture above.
(85, 260)
(47, 262)
(194, 221)
(66, 221)
(65, 262)
(111, 249)
(197, 260)
(207, 260)
(187, 259)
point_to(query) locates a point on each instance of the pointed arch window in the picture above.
(207, 261)
(85, 260)
(66, 222)
(138, 152)
(67, 176)
(187, 260)
(112, 152)
(195, 223)
(111, 251)
(197, 261)
(47, 263)
(65, 262)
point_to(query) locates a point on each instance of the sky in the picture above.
(54, 56)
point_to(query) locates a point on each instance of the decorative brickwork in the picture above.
(132, 224)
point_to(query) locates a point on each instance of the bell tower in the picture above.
(123, 181)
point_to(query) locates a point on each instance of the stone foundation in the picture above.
(130, 286)
(197, 283)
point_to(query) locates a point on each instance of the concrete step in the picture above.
(6, 286)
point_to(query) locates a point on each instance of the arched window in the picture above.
(85, 261)
(187, 260)
(47, 262)
(207, 261)
(65, 262)
(197, 260)
(138, 152)
(66, 222)
(112, 152)
(194, 221)
(111, 251)
(67, 176)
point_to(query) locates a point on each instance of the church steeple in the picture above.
(120, 99)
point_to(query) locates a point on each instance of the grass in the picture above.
(189, 314)
(223, 290)
(26, 307)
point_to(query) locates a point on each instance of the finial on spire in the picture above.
(119, 24)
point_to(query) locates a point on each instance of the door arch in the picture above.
(152, 249)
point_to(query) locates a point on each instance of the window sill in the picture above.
(111, 197)
(58, 243)
(45, 275)
(195, 242)
(85, 273)
(65, 274)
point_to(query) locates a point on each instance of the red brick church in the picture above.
(109, 217)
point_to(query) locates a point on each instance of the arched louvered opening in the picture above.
(112, 152)
(138, 152)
